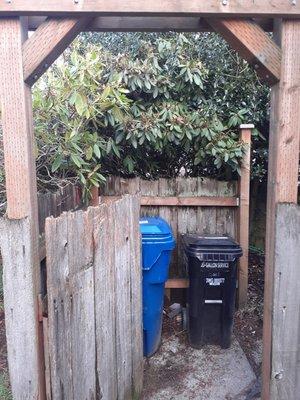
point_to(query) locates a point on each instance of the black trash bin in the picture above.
(211, 262)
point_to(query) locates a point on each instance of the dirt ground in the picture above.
(247, 330)
(249, 321)
(163, 373)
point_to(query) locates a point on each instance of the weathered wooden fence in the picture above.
(205, 206)
(54, 203)
(94, 327)
(285, 379)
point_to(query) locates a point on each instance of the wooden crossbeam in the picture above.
(228, 8)
(148, 24)
(177, 283)
(253, 44)
(47, 43)
(209, 201)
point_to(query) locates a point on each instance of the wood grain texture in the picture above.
(123, 299)
(283, 164)
(148, 24)
(50, 39)
(285, 382)
(185, 201)
(243, 231)
(178, 283)
(17, 126)
(253, 44)
(94, 322)
(244, 8)
(20, 307)
(105, 305)
(21, 192)
(66, 198)
(136, 299)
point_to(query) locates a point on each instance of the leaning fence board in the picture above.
(94, 282)
(136, 297)
(285, 382)
(123, 299)
(105, 307)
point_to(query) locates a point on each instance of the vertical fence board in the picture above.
(226, 215)
(105, 307)
(59, 334)
(168, 187)
(123, 299)
(207, 216)
(71, 306)
(285, 382)
(149, 188)
(136, 299)
(53, 204)
(19, 301)
(186, 216)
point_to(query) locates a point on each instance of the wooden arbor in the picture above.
(23, 61)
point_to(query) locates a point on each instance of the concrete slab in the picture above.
(178, 372)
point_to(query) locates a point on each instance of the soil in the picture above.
(248, 325)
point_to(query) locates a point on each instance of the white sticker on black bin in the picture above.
(215, 281)
(210, 264)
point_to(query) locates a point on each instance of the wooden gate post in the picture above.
(243, 219)
(19, 230)
(283, 169)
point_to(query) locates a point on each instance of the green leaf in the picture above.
(76, 160)
(79, 104)
(56, 163)
(97, 151)
(89, 153)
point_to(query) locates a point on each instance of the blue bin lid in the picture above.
(157, 237)
(154, 226)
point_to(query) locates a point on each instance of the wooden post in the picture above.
(19, 231)
(94, 201)
(283, 168)
(243, 220)
(285, 382)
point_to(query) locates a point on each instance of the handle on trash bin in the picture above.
(213, 302)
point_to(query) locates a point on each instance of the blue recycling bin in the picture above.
(157, 245)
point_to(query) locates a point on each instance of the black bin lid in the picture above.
(197, 244)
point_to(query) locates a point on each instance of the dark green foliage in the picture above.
(148, 105)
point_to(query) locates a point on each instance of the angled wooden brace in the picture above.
(47, 43)
(253, 44)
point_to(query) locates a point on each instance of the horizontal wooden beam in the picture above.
(214, 8)
(148, 24)
(209, 201)
(47, 43)
(177, 283)
(253, 44)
